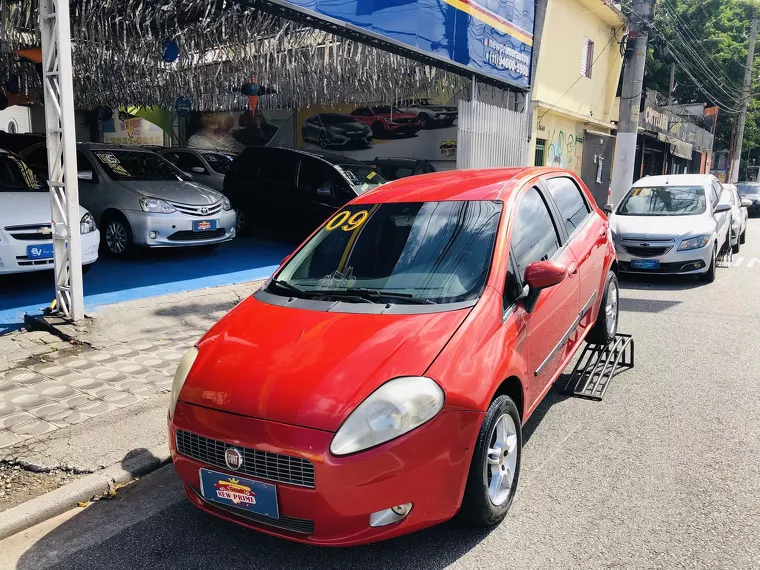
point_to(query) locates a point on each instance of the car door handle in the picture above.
(573, 269)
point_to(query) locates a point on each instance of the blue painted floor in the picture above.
(150, 273)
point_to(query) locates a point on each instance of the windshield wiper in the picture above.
(288, 287)
(373, 295)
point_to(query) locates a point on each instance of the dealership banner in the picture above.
(488, 37)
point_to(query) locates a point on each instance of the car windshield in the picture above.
(136, 165)
(336, 119)
(16, 176)
(218, 162)
(361, 177)
(664, 201)
(385, 110)
(748, 188)
(421, 253)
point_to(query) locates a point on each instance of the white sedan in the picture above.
(26, 237)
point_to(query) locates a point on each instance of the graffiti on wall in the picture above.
(563, 150)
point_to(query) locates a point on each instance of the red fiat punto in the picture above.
(378, 382)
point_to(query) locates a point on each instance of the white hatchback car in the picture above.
(738, 215)
(26, 242)
(672, 224)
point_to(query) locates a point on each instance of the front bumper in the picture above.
(336, 139)
(406, 128)
(427, 467)
(176, 229)
(14, 258)
(673, 262)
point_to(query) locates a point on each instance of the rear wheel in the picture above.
(606, 325)
(241, 221)
(117, 236)
(424, 119)
(495, 466)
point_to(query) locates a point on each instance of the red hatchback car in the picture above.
(378, 382)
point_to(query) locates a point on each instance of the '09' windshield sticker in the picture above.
(112, 162)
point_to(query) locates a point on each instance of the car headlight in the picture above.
(388, 120)
(397, 407)
(87, 224)
(694, 243)
(156, 206)
(226, 204)
(180, 376)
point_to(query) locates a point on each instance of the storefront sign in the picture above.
(132, 131)
(488, 37)
(659, 120)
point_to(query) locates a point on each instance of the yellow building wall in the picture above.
(564, 140)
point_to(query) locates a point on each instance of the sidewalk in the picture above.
(80, 407)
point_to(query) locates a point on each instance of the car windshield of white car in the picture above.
(135, 165)
(664, 201)
(16, 176)
(413, 253)
(362, 178)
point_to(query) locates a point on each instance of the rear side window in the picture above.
(534, 236)
(570, 201)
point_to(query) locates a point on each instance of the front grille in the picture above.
(300, 526)
(198, 211)
(188, 235)
(677, 267)
(35, 232)
(256, 463)
(24, 261)
(639, 251)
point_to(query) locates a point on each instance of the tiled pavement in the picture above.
(45, 397)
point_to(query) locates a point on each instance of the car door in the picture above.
(536, 237)
(723, 219)
(320, 192)
(90, 194)
(585, 232)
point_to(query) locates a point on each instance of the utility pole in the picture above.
(672, 84)
(736, 154)
(630, 100)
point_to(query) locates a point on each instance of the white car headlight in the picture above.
(156, 206)
(397, 407)
(180, 376)
(87, 224)
(226, 204)
(694, 243)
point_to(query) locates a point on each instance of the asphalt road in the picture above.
(664, 473)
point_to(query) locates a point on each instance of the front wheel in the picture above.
(709, 275)
(605, 327)
(241, 221)
(117, 236)
(495, 466)
(743, 237)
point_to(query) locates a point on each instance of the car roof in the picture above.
(485, 184)
(675, 180)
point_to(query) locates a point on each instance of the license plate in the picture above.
(645, 263)
(44, 251)
(204, 225)
(239, 492)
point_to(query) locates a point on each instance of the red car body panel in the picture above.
(283, 380)
(398, 121)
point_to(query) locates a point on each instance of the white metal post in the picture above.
(61, 146)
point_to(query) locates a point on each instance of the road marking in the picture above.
(738, 261)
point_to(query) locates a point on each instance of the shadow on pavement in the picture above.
(661, 282)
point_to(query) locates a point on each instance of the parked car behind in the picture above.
(206, 167)
(412, 336)
(731, 197)
(395, 168)
(26, 235)
(672, 224)
(142, 199)
(336, 130)
(387, 121)
(430, 114)
(291, 191)
(750, 191)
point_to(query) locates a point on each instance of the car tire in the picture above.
(606, 325)
(424, 120)
(737, 247)
(378, 130)
(743, 237)
(323, 141)
(242, 221)
(117, 236)
(709, 275)
(485, 501)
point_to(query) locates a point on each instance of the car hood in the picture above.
(309, 368)
(350, 127)
(190, 193)
(665, 227)
(26, 208)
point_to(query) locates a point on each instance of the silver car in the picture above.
(672, 225)
(205, 166)
(141, 199)
(738, 215)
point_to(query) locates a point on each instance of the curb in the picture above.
(53, 503)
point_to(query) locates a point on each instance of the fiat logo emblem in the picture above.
(233, 458)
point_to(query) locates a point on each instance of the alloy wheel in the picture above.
(323, 140)
(116, 237)
(241, 220)
(501, 460)
(611, 310)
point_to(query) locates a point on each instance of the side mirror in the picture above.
(720, 208)
(285, 259)
(609, 209)
(746, 203)
(541, 275)
(198, 170)
(85, 175)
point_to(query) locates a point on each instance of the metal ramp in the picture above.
(597, 367)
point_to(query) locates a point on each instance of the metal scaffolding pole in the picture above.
(61, 147)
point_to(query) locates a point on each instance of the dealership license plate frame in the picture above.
(200, 229)
(650, 264)
(265, 494)
(41, 251)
